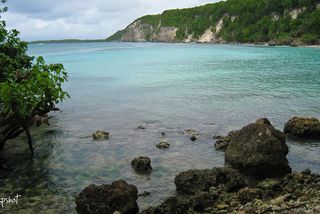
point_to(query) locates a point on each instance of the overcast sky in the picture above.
(82, 19)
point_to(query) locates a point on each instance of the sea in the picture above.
(168, 89)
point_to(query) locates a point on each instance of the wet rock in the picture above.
(144, 194)
(193, 181)
(193, 138)
(141, 164)
(222, 142)
(246, 195)
(100, 135)
(303, 127)
(141, 127)
(163, 145)
(259, 150)
(117, 197)
(192, 134)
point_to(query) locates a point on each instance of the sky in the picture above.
(82, 19)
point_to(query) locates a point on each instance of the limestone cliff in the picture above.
(283, 22)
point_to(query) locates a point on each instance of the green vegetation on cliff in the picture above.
(247, 21)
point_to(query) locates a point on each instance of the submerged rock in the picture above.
(144, 194)
(163, 145)
(258, 149)
(141, 127)
(117, 197)
(302, 127)
(100, 135)
(141, 164)
(191, 133)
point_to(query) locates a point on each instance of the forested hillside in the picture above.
(292, 22)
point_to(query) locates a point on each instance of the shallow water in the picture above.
(166, 88)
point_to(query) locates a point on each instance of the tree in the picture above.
(29, 88)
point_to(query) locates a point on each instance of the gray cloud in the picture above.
(59, 19)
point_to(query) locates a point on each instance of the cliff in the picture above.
(289, 22)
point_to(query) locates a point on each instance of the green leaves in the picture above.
(27, 86)
(34, 89)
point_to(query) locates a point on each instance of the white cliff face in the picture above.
(141, 32)
(137, 32)
(164, 34)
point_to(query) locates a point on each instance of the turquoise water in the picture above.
(169, 88)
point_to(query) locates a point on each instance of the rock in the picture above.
(117, 197)
(144, 194)
(141, 127)
(141, 164)
(303, 127)
(193, 138)
(100, 135)
(222, 142)
(246, 195)
(192, 134)
(193, 181)
(163, 145)
(259, 150)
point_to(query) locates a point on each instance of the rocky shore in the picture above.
(256, 178)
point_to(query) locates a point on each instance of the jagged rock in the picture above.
(193, 181)
(141, 164)
(163, 145)
(222, 142)
(100, 135)
(258, 149)
(107, 199)
(301, 127)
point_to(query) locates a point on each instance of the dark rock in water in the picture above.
(144, 194)
(258, 149)
(107, 199)
(163, 145)
(100, 135)
(141, 164)
(193, 138)
(193, 181)
(222, 142)
(163, 133)
(308, 128)
(141, 127)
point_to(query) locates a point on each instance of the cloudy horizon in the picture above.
(79, 19)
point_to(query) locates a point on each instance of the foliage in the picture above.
(28, 87)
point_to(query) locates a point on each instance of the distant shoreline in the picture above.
(66, 41)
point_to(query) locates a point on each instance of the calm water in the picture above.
(166, 88)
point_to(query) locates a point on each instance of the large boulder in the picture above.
(141, 164)
(194, 181)
(107, 199)
(259, 150)
(303, 127)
